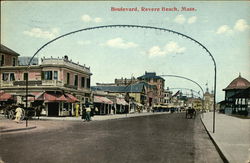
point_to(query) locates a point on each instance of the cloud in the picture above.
(87, 19)
(180, 19)
(84, 42)
(170, 48)
(120, 43)
(39, 33)
(224, 29)
(192, 20)
(241, 25)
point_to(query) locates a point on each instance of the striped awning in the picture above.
(100, 99)
(5, 96)
(121, 101)
(71, 98)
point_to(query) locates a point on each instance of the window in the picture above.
(25, 76)
(76, 80)
(13, 61)
(2, 60)
(83, 82)
(55, 75)
(47, 75)
(5, 76)
(68, 78)
(88, 83)
(12, 77)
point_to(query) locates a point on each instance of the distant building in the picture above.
(57, 83)
(24, 61)
(167, 96)
(152, 79)
(237, 97)
(208, 100)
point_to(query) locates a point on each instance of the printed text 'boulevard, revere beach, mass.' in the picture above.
(150, 9)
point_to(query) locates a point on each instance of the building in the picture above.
(208, 100)
(167, 96)
(152, 79)
(237, 97)
(57, 83)
(136, 94)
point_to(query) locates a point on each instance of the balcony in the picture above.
(31, 83)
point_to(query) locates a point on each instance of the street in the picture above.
(158, 138)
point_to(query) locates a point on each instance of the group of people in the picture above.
(87, 113)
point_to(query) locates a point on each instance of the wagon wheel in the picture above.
(11, 114)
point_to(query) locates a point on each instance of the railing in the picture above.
(52, 83)
(31, 83)
(59, 61)
(6, 83)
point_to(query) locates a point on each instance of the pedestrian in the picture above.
(77, 109)
(96, 110)
(84, 113)
(88, 110)
(19, 112)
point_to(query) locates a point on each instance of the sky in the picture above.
(222, 27)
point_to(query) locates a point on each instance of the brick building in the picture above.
(57, 83)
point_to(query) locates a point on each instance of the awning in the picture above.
(121, 101)
(50, 97)
(5, 96)
(100, 99)
(71, 98)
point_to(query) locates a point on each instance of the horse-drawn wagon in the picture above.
(190, 113)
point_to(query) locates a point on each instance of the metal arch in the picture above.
(124, 26)
(186, 79)
(140, 26)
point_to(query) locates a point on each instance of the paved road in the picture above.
(159, 138)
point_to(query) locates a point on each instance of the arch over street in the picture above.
(134, 26)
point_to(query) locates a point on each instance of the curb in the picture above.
(225, 160)
(18, 129)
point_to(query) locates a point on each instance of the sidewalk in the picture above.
(232, 136)
(7, 126)
(105, 117)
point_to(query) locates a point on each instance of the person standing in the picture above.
(77, 109)
(88, 110)
(84, 113)
(19, 112)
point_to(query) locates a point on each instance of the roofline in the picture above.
(9, 51)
